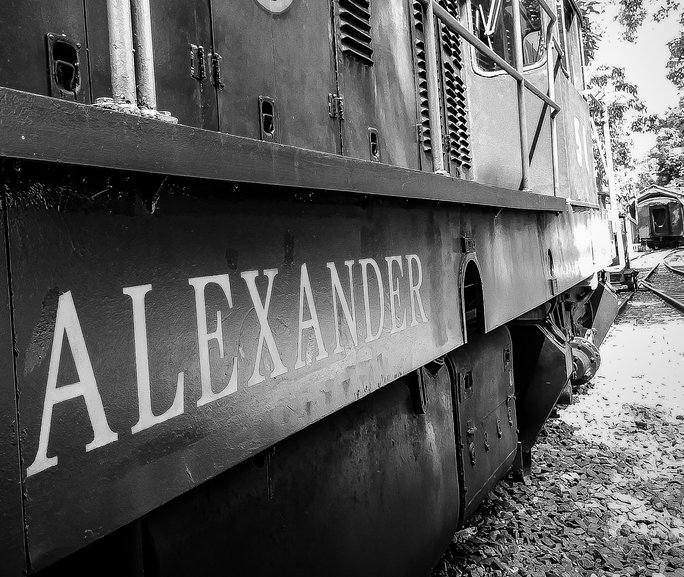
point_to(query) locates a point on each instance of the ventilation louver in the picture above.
(421, 69)
(451, 41)
(355, 29)
(457, 139)
(457, 118)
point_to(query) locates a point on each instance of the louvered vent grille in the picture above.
(451, 41)
(457, 118)
(355, 29)
(422, 75)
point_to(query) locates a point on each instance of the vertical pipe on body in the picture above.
(522, 107)
(121, 51)
(551, 73)
(144, 55)
(612, 188)
(433, 87)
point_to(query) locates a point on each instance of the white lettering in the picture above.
(265, 334)
(146, 417)
(66, 322)
(204, 337)
(338, 295)
(306, 292)
(364, 262)
(394, 292)
(415, 289)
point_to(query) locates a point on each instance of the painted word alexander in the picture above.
(406, 270)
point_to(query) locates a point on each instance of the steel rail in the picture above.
(679, 305)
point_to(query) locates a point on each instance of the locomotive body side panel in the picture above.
(379, 92)
(25, 66)
(182, 39)
(11, 508)
(160, 260)
(305, 76)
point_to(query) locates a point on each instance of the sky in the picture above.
(644, 63)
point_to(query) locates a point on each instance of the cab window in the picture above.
(570, 28)
(493, 24)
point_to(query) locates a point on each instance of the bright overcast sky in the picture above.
(644, 62)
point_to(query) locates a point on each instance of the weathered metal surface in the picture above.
(381, 96)
(488, 430)
(244, 38)
(304, 75)
(340, 498)
(122, 382)
(11, 514)
(605, 305)
(577, 178)
(175, 27)
(59, 131)
(543, 367)
(118, 262)
(25, 25)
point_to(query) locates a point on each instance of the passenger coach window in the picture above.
(493, 24)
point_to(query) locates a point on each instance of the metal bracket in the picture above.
(198, 64)
(468, 244)
(553, 285)
(216, 71)
(336, 106)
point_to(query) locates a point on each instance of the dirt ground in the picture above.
(606, 494)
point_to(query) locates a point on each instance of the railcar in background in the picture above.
(658, 214)
(288, 285)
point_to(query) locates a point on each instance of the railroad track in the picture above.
(666, 279)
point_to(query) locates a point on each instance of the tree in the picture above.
(667, 156)
(611, 89)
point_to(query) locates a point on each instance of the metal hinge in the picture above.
(216, 70)
(198, 64)
(336, 106)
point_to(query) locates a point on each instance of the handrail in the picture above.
(470, 38)
(434, 9)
